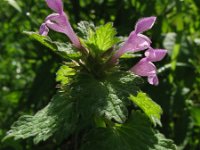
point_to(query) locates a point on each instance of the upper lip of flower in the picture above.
(55, 5)
(59, 22)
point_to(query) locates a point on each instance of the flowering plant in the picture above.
(98, 104)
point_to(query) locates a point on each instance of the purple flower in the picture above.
(59, 22)
(136, 41)
(146, 68)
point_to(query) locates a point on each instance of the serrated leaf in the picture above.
(96, 98)
(136, 134)
(65, 50)
(107, 98)
(55, 119)
(64, 74)
(85, 28)
(150, 108)
(44, 40)
(115, 108)
(102, 39)
(164, 143)
(125, 82)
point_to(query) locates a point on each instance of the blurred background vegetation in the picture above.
(27, 69)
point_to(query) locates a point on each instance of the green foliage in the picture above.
(57, 118)
(85, 29)
(28, 69)
(105, 97)
(150, 108)
(66, 51)
(102, 39)
(195, 112)
(136, 134)
(64, 74)
(45, 40)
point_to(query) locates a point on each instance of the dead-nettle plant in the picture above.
(99, 105)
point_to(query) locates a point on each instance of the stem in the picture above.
(76, 136)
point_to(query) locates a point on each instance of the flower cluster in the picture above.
(136, 41)
(139, 42)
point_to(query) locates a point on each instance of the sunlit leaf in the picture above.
(150, 108)
(64, 74)
(55, 119)
(102, 39)
(85, 28)
(44, 40)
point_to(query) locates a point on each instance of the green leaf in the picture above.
(195, 112)
(126, 81)
(98, 98)
(57, 118)
(150, 108)
(66, 51)
(102, 39)
(64, 74)
(14, 4)
(163, 143)
(113, 108)
(85, 28)
(44, 40)
(136, 134)
(107, 98)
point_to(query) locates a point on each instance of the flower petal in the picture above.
(60, 23)
(57, 23)
(147, 39)
(55, 5)
(155, 55)
(144, 24)
(144, 68)
(153, 80)
(44, 30)
(52, 16)
(135, 43)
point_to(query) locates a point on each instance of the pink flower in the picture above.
(59, 22)
(146, 68)
(136, 41)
